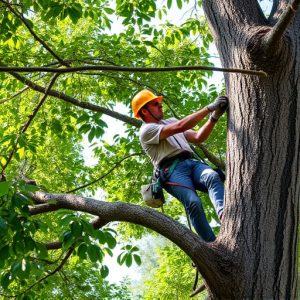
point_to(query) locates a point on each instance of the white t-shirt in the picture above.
(158, 150)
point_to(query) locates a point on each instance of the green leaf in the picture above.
(179, 3)
(104, 271)
(110, 240)
(74, 14)
(41, 249)
(169, 4)
(108, 10)
(4, 188)
(76, 228)
(82, 250)
(68, 239)
(94, 253)
(15, 269)
(89, 228)
(128, 260)
(4, 252)
(137, 259)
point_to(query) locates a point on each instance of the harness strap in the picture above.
(178, 184)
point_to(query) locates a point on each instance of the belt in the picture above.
(181, 156)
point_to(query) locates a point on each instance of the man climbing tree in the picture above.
(166, 142)
(44, 118)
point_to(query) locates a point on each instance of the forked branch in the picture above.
(273, 37)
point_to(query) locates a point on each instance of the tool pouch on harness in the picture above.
(153, 194)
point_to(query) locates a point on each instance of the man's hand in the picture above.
(219, 111)
(220, 102)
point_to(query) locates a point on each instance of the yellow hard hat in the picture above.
(142, 98)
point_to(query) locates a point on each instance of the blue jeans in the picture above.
(195, 175)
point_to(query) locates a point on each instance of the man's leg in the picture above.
(206, 176)
(190, 200)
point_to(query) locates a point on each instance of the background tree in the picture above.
(49, 111)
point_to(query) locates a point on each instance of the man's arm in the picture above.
(184, 124)
(198, 137)
(218, 107)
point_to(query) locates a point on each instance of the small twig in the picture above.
(200, 289)
(15, 95)
(272, 37)
(129, 69)
(25, 22)
(57, 269)
(105, 174)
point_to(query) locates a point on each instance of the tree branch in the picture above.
(203, 254)
(36, 37)
(105, 174)
(31, 117)
(82, 104)
(271, 39)
(212, 158)
(128, 69)
(15, 95)
(57, 269)
(96, 223)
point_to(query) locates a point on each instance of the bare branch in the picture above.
(43, 208)
(105, 174)
(25, 22)
(31, 117)
(15, 95)
(270, 42)
(129, 69)
(200, 289)
(212, 158)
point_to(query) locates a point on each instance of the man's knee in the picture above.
(210, 176)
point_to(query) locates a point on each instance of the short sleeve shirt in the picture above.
(160, 149)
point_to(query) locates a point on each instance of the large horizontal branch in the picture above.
(272, 38)
(211, 260)
(128, 69)
(200, 252)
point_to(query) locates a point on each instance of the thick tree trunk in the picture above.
(259, 233)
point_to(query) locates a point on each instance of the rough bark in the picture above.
(263, 161)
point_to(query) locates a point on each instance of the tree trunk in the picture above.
(261, 218)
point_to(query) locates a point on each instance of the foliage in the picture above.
(50, 151)
(169, 274)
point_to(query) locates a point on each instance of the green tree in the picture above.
(64, 66)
